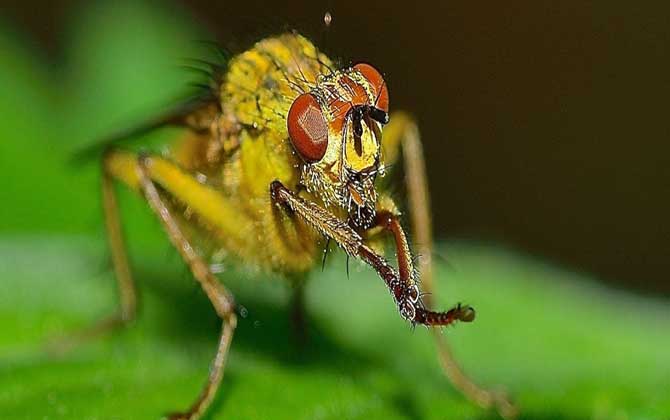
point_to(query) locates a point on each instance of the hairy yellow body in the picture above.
(252, 151)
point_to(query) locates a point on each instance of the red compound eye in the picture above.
(307, 128)
(378, 83)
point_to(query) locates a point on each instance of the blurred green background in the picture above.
(540, 121)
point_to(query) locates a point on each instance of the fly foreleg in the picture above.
(402, 287)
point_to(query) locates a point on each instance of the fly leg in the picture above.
(221, 299)
(402, 288)
(144, 174)
(124, 278)
(402, 134)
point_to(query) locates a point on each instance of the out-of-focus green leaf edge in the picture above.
(564, 346)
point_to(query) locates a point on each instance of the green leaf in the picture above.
(563, 346)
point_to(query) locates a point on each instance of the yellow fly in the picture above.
(282, 152)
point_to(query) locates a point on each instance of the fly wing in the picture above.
(195, 113)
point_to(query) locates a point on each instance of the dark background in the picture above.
(545, 123)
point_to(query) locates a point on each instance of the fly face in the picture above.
(336, 130)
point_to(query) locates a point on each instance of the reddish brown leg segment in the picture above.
(403, 133)
(407, 292)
